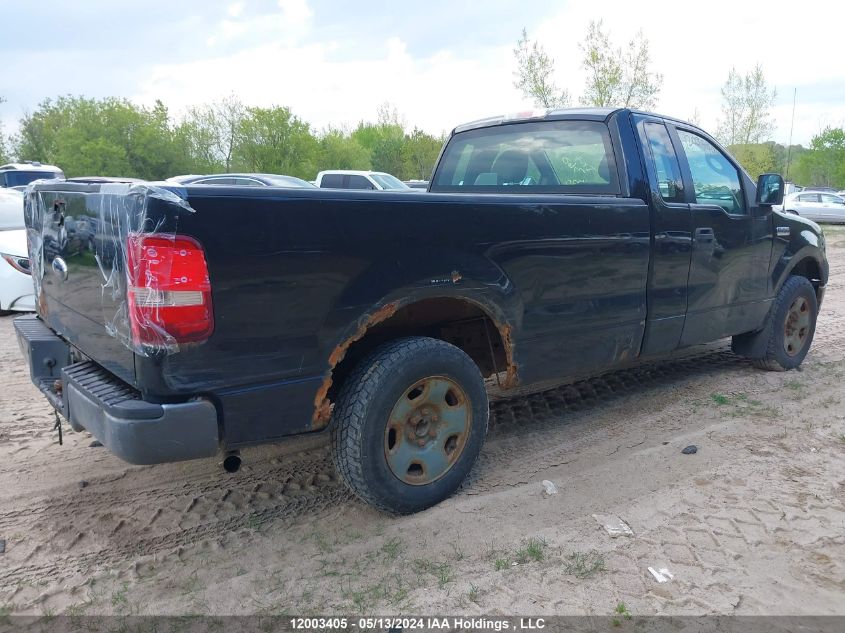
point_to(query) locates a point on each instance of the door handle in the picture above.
(704, 234)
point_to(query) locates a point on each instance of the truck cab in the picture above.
(361, 180)
(19, 175)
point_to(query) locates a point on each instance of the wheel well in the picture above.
(809, 268)
(460, 322)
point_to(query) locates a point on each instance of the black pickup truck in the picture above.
(178, 322)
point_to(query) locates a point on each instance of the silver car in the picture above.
(818, 206)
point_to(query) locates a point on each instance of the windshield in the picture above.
(19, 178)
(386, 181)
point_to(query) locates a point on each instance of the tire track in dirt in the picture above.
(208, 508)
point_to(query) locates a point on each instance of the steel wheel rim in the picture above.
(796, 329)
(427, 430)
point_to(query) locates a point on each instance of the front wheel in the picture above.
(791, 326)
(409, 424)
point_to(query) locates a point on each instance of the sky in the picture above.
(438, 62)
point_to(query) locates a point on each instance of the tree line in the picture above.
(115, 137)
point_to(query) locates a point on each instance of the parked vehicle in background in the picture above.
(356, 179)
(19, 175)
(417, 184)
(546, 249)
(16, 291)
(819, 206)
(243, 180)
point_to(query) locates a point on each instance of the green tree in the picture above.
(273, 140)
(384, 141)
(824, 163)
(339, 150)
(617, 76)
(107, 137)
(209, 134)
(746, 108)
(759, 158)
(419, 154)
(534, 75)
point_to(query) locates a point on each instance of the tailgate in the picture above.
(77, 240)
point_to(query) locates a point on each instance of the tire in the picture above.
(784, 352)
(396, 440)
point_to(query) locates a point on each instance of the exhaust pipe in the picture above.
(232, 462)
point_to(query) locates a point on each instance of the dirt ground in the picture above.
(754, 523)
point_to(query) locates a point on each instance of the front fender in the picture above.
(805, 241)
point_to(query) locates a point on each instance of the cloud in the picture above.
(694, 47)
(235, 9)
(290, 21)
(295, 12)
(330, 83)
(332, 64)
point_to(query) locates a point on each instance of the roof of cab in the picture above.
(563, 114)
(582, 114)
(29, 166)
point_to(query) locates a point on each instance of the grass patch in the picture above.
(534, 549)
(366, 598)
(472, 594)
(621, 611)
(391, 549)
(501, 564)
(720, 399)
(584, 564)
(442, 572)
(119, 600)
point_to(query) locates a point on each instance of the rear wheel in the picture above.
(791, 325)
(409, 424)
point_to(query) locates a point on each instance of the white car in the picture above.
(356, 179)
(819, 206)
(16, 291)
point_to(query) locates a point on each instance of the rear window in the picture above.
(359, 182)
(537, 157)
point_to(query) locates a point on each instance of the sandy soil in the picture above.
(754, 523)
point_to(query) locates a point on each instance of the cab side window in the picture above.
(665, 161)
(715, 179)
(332, 181)
(359, 182)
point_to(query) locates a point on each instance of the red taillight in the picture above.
(168, 290)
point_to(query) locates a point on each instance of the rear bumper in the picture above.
(91, 398)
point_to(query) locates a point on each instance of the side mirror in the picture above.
(770, 190)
